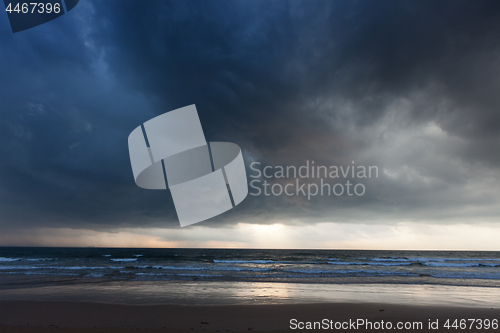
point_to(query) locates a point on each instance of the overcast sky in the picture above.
(412, 87)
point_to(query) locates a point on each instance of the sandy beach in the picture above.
(128, 306)
(32, 316)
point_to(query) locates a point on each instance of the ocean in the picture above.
(22, 267)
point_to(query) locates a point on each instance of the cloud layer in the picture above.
(409, 86)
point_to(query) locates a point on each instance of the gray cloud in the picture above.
(411, 87)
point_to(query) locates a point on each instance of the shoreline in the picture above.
(203, 293)
(12, 281)
(72, 317)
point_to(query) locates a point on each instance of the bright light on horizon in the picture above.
(399, 236)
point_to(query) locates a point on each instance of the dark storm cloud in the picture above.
(248, 60)
(64, 122)
(329, 81)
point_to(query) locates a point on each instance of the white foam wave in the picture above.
(94, 275)
(9, 259)
(436, 264)
(353, 272)
(213, 268)
(245, 261)
(57, 267)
